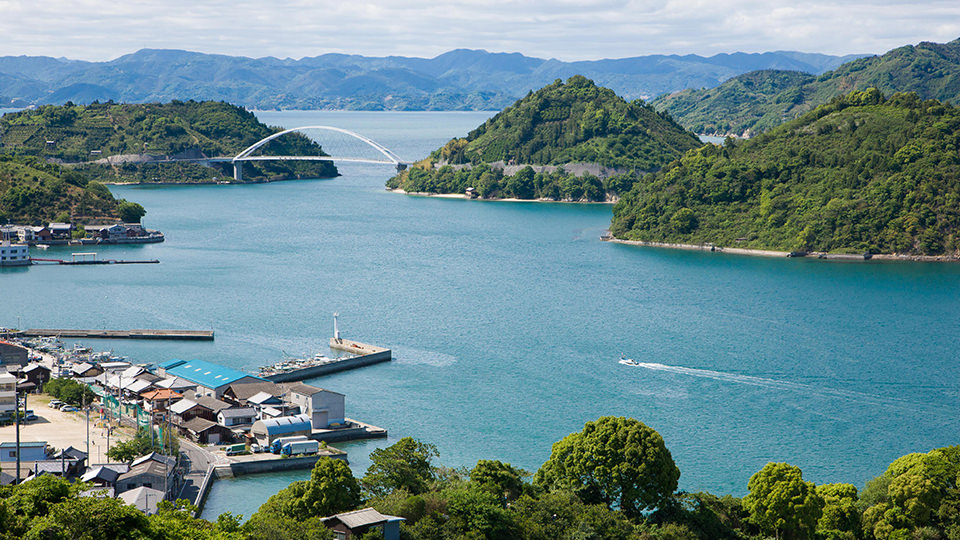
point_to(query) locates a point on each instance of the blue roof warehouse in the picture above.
(212, 379)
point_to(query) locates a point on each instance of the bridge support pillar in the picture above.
(238, 171)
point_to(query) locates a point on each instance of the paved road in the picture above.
(195, 461)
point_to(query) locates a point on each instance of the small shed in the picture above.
(357, 523)
(265, 431)
(36, 373)
(29, 451)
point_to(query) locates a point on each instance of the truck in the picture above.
(278, 443)
(297, 448)
(236, 449)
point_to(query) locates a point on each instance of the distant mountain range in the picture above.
(457, 80)
(760, 100)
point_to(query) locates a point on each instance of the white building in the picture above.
(8, 393)
(323, 407)
(14, 254)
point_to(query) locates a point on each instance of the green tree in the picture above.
(130, 212)
(407, 465)
(841, 516)
(915, 492)
(500, 478)
(781, 503)
(331, 489)
(616, 461)
(91, 518)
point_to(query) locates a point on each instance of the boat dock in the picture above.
(366, 355)
(89, 258)
(200, 335)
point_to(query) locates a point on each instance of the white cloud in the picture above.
(565, 29)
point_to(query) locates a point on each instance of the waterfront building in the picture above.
(14, 254)
(265, 431)
(8, 395)
(324, 407)
(242, 392)
(12, 356)
(357, 523)
(85, 370)
(60, 231)
(212, 380)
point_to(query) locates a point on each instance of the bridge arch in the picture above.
(389, 155)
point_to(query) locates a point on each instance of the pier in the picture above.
(87, 259)
(366, 355)
(198, 335)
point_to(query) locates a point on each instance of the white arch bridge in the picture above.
(382, 154)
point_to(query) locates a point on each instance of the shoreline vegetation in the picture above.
(713, 248)
(609, 200)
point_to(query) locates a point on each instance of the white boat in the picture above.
(628, 361)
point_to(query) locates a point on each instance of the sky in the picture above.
(563, 29)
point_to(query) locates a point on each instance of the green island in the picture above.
(862, 173)
(82, 137)
(35, 192)
(568, 141)
(753, 102)
(614, 480)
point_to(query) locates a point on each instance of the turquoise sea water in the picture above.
(507, 320)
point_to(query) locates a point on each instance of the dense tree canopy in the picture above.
(761, 100)
(862, 173)
(616, 461)
(572, 122)
(406, 465)
(781, 503)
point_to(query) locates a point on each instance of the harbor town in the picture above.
(211, 421)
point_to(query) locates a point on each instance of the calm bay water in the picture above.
(507, 320)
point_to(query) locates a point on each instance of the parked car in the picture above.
(29, 416)
(69, 408)
(55, 404)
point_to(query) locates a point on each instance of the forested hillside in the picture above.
(33, 192)
(563, 125)
(862, 173)
(77, 134)
(763, 99)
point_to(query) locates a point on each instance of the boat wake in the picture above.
(775, 384)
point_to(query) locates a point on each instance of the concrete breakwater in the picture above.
(204, 335)
(367, 355)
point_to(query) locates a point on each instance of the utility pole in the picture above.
(16, 421)
(87, 412)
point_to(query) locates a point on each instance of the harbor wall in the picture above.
(383, 355)
(240, 468)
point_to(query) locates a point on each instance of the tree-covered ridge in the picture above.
(82, 134)
(573, 122)
(561, 125)
(755, 101)
(34, 192)
(932, 70)
(862, 173)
